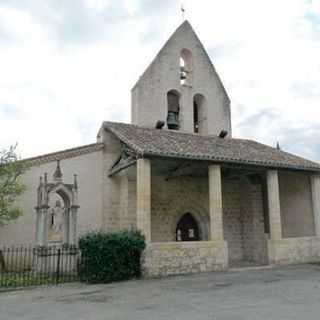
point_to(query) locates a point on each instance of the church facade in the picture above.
(204, 200)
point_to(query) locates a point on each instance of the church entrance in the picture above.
(187, 229)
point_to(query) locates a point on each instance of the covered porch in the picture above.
(201, 216)
(205, 203)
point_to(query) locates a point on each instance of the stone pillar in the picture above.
(65, 227)
(42, 226)
(144, 198)
(38, 212)
(186, 109)
(315, 191)
(274, 205)
(73, 225)
(215, 203)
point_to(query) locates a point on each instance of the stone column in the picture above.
(186, 109)
(37, 225)
(42, 226)
(215, 203)
(73, 225)
(315, 191)
(274, 205)
(65, 227)
(144, 198)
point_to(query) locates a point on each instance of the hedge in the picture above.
(107, 257)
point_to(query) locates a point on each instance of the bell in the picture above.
(183, 73)
(172, 120)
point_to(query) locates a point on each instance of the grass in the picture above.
(30, 278)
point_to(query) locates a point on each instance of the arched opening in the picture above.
(173, 100)
(185, 67)
(187, 228)
(199, 117)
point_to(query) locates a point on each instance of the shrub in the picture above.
(107, 257)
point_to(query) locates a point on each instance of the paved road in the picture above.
(279, 293)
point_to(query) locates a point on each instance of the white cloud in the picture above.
(69, 68)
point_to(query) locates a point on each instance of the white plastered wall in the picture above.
(88, 168)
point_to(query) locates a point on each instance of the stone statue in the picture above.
(56, 222)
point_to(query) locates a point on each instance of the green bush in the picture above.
(107, 257)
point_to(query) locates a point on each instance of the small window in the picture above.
(195, 117)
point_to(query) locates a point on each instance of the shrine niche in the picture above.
(56, 210)
(187, 229)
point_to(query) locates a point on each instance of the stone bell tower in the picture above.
(182, 88)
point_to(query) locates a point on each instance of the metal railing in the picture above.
(48, 265)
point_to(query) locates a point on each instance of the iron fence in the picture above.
(46, 265)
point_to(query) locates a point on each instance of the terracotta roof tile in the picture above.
(64, 154)
(167, 143)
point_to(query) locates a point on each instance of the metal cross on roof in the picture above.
(183, 10)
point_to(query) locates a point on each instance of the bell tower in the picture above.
(182, 88)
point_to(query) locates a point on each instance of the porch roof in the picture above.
(149, 142)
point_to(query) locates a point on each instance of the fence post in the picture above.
(2, 262)
(58, 266)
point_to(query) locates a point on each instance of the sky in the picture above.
(66, 66)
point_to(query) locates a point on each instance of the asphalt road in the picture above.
(278, 293)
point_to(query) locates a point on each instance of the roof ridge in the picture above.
(168, 143)
(64, 154)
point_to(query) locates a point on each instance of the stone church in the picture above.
(204, 200)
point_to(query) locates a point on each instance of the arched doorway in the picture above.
(187, 228)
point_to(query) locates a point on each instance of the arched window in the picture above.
(187, 229)
(199, 117)
(173, 100)
(185, 67)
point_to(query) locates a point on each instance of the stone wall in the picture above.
(254, 239)
(162, 259)
(294, 250)
(296, 205)
(232, 225)
(149, 95)
(173, 198)
(243, 219)
(243, 222)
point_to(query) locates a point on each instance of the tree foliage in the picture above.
(11, 169)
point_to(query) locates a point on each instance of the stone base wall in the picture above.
(169, 258)
(294, 250)
(232, 226)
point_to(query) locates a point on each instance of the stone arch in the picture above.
(200, 215)
(187, 228)
(64, 193)
(64, 216)
(199, 113)
(186, 64)
(173, 104)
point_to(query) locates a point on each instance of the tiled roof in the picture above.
(150, 142)
(64, 154)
